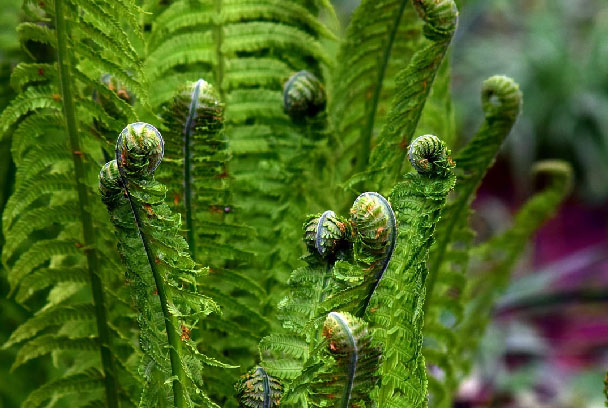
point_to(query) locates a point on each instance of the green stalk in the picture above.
(368, 130)
(219, 39)
(175, 343)
(188, 169)
(83, 203)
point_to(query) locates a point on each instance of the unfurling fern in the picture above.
(197, 154)
(395, 311)
(414, 84)
(163, 275)
(448, 261)
(286, 129)
(493, 261)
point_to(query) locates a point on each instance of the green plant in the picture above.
(174, 316)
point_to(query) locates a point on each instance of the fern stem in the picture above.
(175, 344)
(63, 69)
(188, 168)
(368, 130)
(266, 387)
(354, 359)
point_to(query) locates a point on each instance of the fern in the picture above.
(149, 233)
(258, 390)
(380, 39)
(281, 125)
(498, 255)
(52, 113)
(395, 311)
(414, 84)
(197, 154)
(350, 377)
(501, 100)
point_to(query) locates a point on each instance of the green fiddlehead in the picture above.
(303, 95)
(395, 310)
(161, 270)
(351, 363)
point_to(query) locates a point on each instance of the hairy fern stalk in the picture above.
(174, 277)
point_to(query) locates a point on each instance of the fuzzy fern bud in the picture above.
(440, 16)
(303, 95)
(110, 183)
(429, 156)
(259, 390)
(374, 225)
(325, 233)
(501, 98)
(139, 150)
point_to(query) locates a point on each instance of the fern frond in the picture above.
(395, 311)
(196, 173)
(501, 100)
(159, 264)
(86, 381)
(50, 246)
(380, 39)
(495, 258)
(414, 84)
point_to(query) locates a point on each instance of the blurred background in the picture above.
(548, 343)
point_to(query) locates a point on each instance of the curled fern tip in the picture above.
(429, 155)
(501, 97)
(325, 233)
(303, 95)
(139, 149)
(257, 389)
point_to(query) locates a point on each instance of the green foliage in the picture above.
(196, 172)
(278, 127)
(414, 83)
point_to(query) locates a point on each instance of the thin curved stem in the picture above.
(175, 343)
(111, 388)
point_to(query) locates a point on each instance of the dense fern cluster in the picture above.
(185, 297)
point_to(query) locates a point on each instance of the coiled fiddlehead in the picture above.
(139, 150)
(159, 266)
(303, 95)
(325, 233)
(440, 16)
(501, 99)
(257, 389)
(429, 155)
